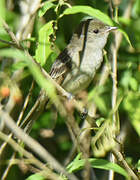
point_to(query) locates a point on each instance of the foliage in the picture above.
(78, 164)
(51, 25)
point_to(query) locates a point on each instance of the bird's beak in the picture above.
(110, 28)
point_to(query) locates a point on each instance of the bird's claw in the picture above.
(84, 114)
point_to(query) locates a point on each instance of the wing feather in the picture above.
(62, 64)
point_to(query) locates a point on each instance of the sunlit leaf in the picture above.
(125, 35)
(2, 11)
(138, 165)
(136, 9)
(48, 5)
(19, 65)
(133, 83)
(44, 45)
(125, 78)
(91, 12)
(3, 33)
(78, 164)
(104, 164)
(36, 176)
(97, 14)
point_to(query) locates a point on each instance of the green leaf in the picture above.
(3, 33)
(44, 45)
(78, 164)
(36, 176)
(3, 36)
(91, 12)
(104, 164)
(13, 53)
(19, 65)
(138, 165)
(131, 104)
(136, 9)
(125, 78)
(97, 14)
(125, 35)
(124, 20)
(48, 5)
(133, 84)
(100, 121)
(2, 11)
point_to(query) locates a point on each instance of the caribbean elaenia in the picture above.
(76, 65)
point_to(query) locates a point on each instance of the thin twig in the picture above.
(35, 161)
(121, 159)
(19, 119)
(81, 146)
(9, 165)
(12, 35)
(33, 145)
(10, 135)
(114, 95)
(25, 104)
(115, 48)
(9, 43)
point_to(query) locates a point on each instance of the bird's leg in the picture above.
(84, 114)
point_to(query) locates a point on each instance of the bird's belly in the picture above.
(81, 75)
(76, 83)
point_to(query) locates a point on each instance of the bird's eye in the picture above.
(96, 31)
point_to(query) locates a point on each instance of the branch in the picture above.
(114, 48)
(34, 161)
(33, 145)
(121, 159)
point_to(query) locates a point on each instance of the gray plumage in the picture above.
(76, 66)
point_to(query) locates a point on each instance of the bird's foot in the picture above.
(84, 114)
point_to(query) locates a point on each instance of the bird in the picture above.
(76, 66)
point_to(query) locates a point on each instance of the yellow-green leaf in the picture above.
(48, 5)
(97, 14)
(91, 12)
(44, 44)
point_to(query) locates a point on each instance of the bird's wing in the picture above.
(61, 65)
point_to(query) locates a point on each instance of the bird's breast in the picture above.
(91, 61)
